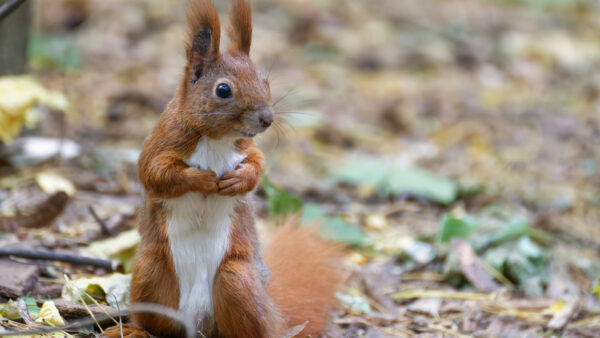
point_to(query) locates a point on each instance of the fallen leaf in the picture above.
(395, 180)
(562, 317)
(18, 99)
(429, 306)
(115, 287)
(49, 315)
(121, 248)
(355, 303)
(453, 226)
(52, 182)
(280, 202)
(333, 228)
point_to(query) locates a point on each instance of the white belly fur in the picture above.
(199, 228)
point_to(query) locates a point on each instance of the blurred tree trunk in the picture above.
(14, 36)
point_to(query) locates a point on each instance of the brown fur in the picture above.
(202, 15)
(242, 305)
(129, 331)
(303, 278)
(240, 29)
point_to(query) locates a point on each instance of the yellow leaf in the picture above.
(596, 291)
(49, 315)
(357, 258)
(19, 96)
(376, 222)
(555, 308)
(52, 182)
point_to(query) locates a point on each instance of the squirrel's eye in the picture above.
(223, 91)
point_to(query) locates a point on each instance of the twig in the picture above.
(50, 255)
(471, 266)
(442, 294)
(135, 308)
(103, 227)
(8, 7)
(72, 326)
(24, 313)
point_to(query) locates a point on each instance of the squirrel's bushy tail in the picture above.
(305, 273)
(129, 331)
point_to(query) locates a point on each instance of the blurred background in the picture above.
(453, 145)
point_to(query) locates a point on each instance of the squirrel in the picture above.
(199, 252)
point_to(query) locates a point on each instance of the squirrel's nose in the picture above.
(266, 117)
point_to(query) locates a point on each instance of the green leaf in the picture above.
(312, 212)
(336, 230)
(420, 182)
(279, 201)
(54, 51)
(452, 226)
(530, 249)
(523, 262)
(362, 172)
(32, 306)
(333, 228)
(516, 227)
(392, 180)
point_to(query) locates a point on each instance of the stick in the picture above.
(8, 7)
(50, 255)
(135, 308)
(103, 227)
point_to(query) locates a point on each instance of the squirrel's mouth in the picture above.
(246, 133)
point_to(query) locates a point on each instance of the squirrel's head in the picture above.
(223, 93)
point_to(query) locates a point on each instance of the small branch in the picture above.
(24, 313)
(134, 308)
(49, 255)
(8, 7)
(103, 227)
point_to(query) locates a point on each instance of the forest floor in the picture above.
(453, 145)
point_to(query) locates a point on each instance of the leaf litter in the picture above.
(450, 145)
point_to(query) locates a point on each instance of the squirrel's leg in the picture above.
(154, 279)
(241, 303)
(242, 306)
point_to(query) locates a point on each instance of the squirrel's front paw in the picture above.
(203, 181)
(239, 181)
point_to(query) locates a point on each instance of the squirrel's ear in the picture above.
(240, 28)
(204, 33)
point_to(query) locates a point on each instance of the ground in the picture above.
(453, 145)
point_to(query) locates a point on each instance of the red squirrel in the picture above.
(199, 252)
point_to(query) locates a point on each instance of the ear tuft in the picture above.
(204, 35)
(240, 28)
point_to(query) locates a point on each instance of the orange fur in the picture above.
(242, 305)
(304, 276)
(154, 279)
(129, 331)
(247, 301)
(202, 14)
(240, 29)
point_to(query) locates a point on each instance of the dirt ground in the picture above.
(453, 145)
